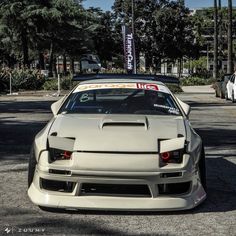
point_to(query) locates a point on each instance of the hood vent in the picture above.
(120, 122)
(124, 124)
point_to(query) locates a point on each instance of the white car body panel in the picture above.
(231, 88)
(118, 150)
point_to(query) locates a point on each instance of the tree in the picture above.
(163, 29)
(13, 17)
(220, 40)
(215, 67)
(229, 36)
(105, 36)
(30, 28)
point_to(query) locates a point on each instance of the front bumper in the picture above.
(156, 201)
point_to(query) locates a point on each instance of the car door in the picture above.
(230, 86)
(234, 89)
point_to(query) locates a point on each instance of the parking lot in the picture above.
(214, 119)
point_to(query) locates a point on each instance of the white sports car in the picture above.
(230, 93)
(118, 144)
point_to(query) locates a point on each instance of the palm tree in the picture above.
(229, 36)
(220, 42)
(215, 68)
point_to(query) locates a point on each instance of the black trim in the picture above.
(161, 78)
(117, 152)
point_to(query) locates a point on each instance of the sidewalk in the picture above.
(198, 89)
(37, 93)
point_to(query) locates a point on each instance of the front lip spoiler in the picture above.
(116, 203)
(157, 202)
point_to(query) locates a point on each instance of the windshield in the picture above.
(121, 101)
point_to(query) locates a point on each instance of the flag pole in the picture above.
(135, 65)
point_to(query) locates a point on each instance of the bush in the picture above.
(22, 79)
(52, 84)
(174, 88)
(191, 81)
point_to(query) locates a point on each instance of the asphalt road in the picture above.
(214, 119)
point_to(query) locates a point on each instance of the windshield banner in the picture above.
(129, 50)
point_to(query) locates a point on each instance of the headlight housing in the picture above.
(175, 156)
(57, 154)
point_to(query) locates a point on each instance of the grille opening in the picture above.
(60, 186)
(123, 190)
(59, 172)
(115, 124)
(171, 175)
(175, 188)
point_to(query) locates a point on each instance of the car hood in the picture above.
(114, 133)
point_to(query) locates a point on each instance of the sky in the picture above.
(106, 4)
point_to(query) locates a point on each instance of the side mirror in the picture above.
(56, 106)
(185, 107)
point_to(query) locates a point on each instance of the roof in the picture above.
(118, 80)
(161, 78)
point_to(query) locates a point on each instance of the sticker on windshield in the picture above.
(145, 86)
(84, 97)
(85, 87)
(171, 110)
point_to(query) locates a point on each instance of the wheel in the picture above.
(31, 166)
(233, 99)
(202, 169)
(226, 95)
(221, 95)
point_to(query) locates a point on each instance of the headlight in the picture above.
(172, 157)
(57, 154)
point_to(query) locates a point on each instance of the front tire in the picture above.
(31, 166)
(226, 95)
(202, 169)
(222, 95)
(233, 99)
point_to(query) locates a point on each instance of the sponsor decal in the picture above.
(171, 110)
(145, 86)
(105, 86)
(129, 49)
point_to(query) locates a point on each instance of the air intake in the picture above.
(123, 124)
(126, 122)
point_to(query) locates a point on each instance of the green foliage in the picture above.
(191, 81)
(163, 29)
(52, 84)
(200, 63)
(203, 21)
(28, 28)
(174, 88)
(22, 79)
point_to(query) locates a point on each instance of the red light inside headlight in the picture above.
(56, 154)
(172, 157)
(67, 155)
(165, 156)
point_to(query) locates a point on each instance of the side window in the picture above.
(231, 78)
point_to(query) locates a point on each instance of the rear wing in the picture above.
(161, 78)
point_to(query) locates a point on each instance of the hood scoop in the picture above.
(120, 122)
